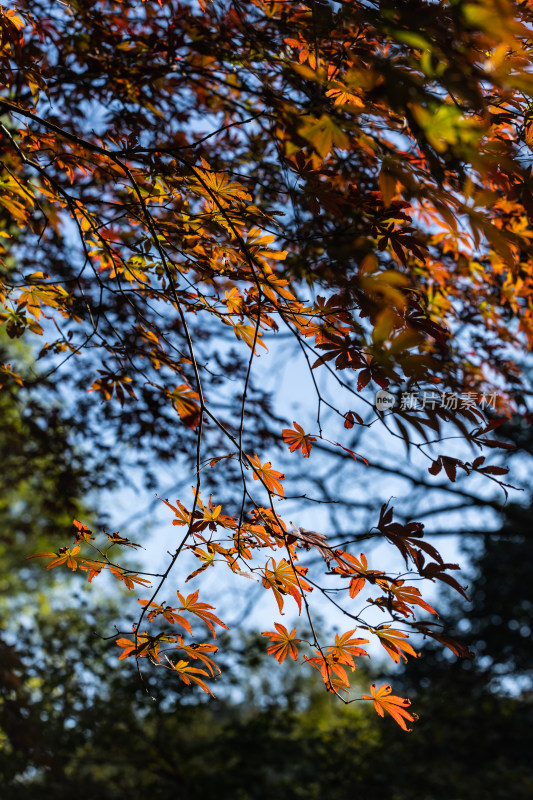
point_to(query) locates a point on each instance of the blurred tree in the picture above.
(102, 740)
(44, 479)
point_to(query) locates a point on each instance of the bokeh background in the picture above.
(76, 723)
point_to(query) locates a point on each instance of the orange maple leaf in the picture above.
(285, 578)
(270, 477)
(298, 439)
(199, 651)
(94, 568)
(129, 579)
(284, 643)
(349, 564)
(146, 646)
(83, 534)
(402, 598)
(201, 610)
(64, 556)
(184, 401)
(393, 705)
(333, 674)
(167, 612)
(129, 648)
(394, 644)
(188, 674)
(345, 648)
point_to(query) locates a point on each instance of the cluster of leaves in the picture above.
(361, 185)
(66, 738)
(245, 547)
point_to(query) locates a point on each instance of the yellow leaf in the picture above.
(324, 134)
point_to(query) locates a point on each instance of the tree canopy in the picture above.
(184, 185)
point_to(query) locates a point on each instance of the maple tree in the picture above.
(194, 180)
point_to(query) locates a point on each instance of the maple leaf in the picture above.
(460, 650)
(129, 579)
(331, 671)
(349, 565)
(199, 651)
(183, 517)
(188, 674)
(115, 538)
(83, 534)
(343, 350)
(273, 285)
(298, 439)
(94, 568)
(395, 644)
(407, 538)
(129, 648)
(219, 190)
(305, 51)
(210, 515)
(285, 578)
(111, 383)
(184, 399)
(246, 333)
(7, 373)
(345, 648)
(167, 612)
(257, 241)
(201, 610)
(342, 96)
(402, 598)
(351, 418)
(37, 294)
(146, 646)
(324, 134)
(450, 466)
(234, 301)
(270, 477)
(310, 539)
(384, 701)
(435, 571)
(284, 643)
(208, 557)
(16, 21)
(63, 556)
